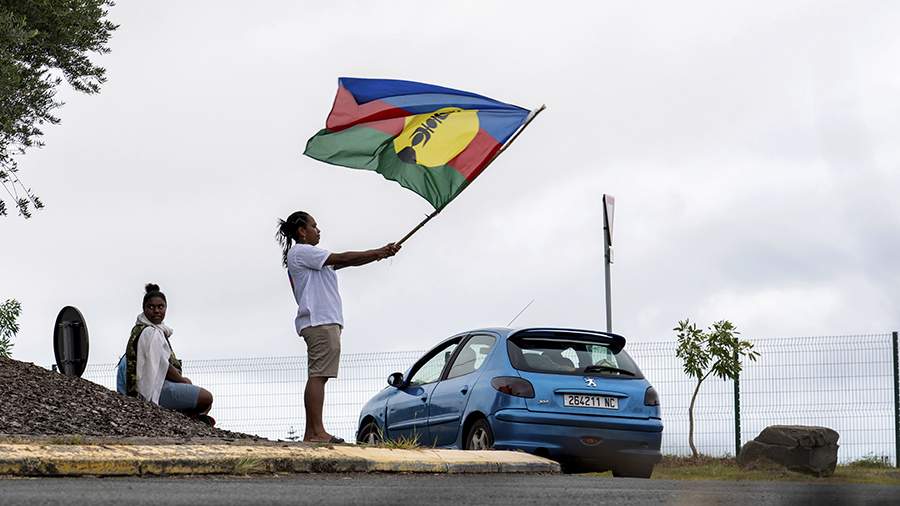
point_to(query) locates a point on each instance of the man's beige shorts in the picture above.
(323, 345)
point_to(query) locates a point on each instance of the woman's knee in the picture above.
(204, 399)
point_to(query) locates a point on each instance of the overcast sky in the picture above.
(752, 151)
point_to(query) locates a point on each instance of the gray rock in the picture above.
(805, 449)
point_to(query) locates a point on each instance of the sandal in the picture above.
(332, 440)
(208, 420)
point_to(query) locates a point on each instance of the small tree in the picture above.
(717, 351)
(9, 312)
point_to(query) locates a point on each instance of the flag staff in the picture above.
(533, 114)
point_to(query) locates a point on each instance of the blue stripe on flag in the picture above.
(416, 97)
(501, 124)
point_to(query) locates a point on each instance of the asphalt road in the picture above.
(431, 490)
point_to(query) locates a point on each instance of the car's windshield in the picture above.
(570, 356)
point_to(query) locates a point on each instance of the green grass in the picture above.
(401, 443)
(872, 461)
(248, 465)
(870, 469)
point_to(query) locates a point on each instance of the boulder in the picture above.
(805, 449)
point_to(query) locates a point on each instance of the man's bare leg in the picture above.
(314, 400)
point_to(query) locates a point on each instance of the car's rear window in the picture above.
(566, 355)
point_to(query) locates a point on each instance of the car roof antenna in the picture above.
(520, 313)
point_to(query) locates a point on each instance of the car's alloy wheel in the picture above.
(369, 434)
(480, 436)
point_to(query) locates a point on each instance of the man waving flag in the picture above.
(430, 139)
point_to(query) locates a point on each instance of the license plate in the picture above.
(590, 401)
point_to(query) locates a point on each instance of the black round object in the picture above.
(70, 342)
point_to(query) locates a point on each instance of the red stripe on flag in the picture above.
(476, 156)
(392, 126)
(346, 113)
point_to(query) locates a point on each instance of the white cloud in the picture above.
(752, 151)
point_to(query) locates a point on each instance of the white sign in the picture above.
(609, 209)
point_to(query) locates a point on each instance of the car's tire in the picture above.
(640, 470)
(574, 467)
(369, 433)
(479, 436)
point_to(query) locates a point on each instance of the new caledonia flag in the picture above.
(430, 139)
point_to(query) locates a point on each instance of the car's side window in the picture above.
(472, 355)
(430, 371)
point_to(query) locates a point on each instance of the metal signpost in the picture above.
(609, 207)
(70, 342)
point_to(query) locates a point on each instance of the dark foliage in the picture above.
(42, 43)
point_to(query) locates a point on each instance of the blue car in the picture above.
(574, 396)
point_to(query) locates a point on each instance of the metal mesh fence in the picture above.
(842, 382)
(264, 396)
(714, 409)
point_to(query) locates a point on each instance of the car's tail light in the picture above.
(651, 398)
(513, 386)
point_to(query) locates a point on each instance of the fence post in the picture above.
(737, 410)
(896, 401)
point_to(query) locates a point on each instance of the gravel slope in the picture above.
(35, 401)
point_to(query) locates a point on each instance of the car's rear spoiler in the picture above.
(615, 342)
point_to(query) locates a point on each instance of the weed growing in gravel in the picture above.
(249, 465)
(871, 461)
(401, 443)
(292, 435)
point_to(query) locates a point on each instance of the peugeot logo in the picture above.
(591, 382)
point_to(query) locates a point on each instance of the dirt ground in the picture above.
(38, 402)
(716, 468)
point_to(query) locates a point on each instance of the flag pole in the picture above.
(533, 114)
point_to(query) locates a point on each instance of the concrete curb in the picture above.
(150, 460)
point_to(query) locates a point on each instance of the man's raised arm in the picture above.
(357, 258)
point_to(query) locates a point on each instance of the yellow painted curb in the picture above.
(138, 460)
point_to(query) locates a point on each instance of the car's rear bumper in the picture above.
(595, 440)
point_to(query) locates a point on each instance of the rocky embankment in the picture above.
(38, 402)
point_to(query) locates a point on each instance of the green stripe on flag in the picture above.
(360, 147)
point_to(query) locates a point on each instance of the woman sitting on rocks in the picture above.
(149, 369)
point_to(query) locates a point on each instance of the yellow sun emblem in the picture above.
(435, 138)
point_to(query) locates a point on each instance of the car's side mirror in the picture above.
(395, 380)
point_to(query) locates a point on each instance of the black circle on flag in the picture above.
(407, 154)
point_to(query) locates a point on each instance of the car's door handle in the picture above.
(464, 390)
(425, 399)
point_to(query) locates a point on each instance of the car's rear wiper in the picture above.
(601, 368)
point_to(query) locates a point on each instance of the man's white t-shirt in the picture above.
(315, 287)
